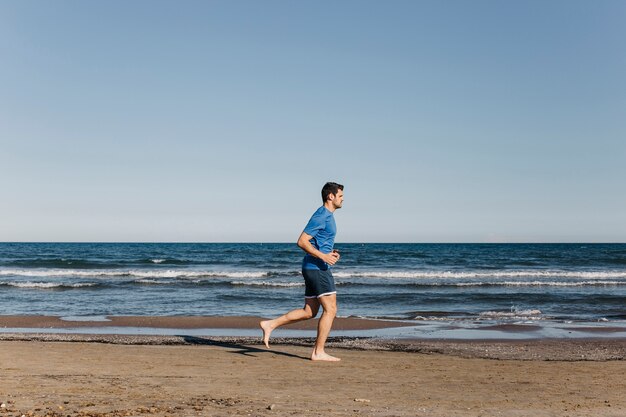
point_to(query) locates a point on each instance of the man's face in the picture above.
(337, 199)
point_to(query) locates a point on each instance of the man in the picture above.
(317, 241)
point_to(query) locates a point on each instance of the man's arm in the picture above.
(305, 244)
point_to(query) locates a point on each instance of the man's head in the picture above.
(332, 193)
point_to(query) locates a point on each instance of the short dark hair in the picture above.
(330, 188)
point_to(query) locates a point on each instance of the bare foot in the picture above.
(267, 330)
(324, 357)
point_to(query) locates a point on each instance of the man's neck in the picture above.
(329, 206)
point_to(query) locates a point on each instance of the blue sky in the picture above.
(447, 121)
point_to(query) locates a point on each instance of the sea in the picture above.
(498, 283)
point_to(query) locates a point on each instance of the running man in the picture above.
(317, 241)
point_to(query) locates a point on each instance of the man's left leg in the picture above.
(310, 309)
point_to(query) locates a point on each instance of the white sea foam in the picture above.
(157, 261)
(539, 283)
(513, 314)
(430, 318)
(527, 277)
(179, 273)
(49, 285)
(145, 273)
(152, 281)
(481, 274)
(268, 283)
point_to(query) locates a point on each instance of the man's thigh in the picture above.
(328, 302)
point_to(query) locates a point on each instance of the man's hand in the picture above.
(331, 258)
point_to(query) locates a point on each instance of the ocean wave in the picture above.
(268, 283)
(48, 285)
(159, 261)
(173, 273)
(593, 283)
(434, 318)
(151, 282)
(147, 273)
(414, 278)
(537, 284)
(481, 274)
(253, 283)
(513, 314)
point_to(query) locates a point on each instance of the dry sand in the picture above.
(224, 377)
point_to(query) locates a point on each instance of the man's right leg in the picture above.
(329, 304)
(310, 309)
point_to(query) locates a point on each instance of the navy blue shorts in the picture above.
(318, 283)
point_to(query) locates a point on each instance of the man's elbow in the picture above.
(301, 242)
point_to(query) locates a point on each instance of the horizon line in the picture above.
(339, 243)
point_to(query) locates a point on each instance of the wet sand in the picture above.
(186, 322)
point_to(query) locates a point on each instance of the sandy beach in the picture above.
(45, 374)
(96, 379)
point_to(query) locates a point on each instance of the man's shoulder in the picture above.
(322, 211)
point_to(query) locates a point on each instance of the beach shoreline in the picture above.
(184, 322)
(512, 341)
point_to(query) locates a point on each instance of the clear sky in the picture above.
(447, 121)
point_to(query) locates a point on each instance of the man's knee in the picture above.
(331, 309)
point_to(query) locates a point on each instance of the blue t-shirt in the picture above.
(323, 229)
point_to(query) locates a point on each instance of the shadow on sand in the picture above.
(238, 348)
